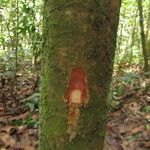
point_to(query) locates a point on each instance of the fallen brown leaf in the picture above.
(147, 116)
(137, 130)
(8, 140)
(147, 144)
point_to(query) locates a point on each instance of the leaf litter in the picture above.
(128, 126)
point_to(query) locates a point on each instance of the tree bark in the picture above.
(133, 38)
(143, 40)
(17, 37)
(148, 37)
(76, 34)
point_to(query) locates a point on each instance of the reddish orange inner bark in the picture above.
(76, 92)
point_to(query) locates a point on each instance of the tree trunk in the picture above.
(77, 35)
(133, 38)
(143, 40)
(148, 37)
(16, 38)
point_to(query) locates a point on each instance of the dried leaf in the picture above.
(147, 144)
(137, 130)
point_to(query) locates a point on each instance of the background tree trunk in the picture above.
(148, 37)
(76, 34)
(143, 40)
(16, 37)
(133, 38)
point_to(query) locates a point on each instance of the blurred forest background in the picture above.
(128, 125)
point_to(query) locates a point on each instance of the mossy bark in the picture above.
(76, 33)
(148, 38)
(143, 37)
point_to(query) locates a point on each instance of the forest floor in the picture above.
(128, 125)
